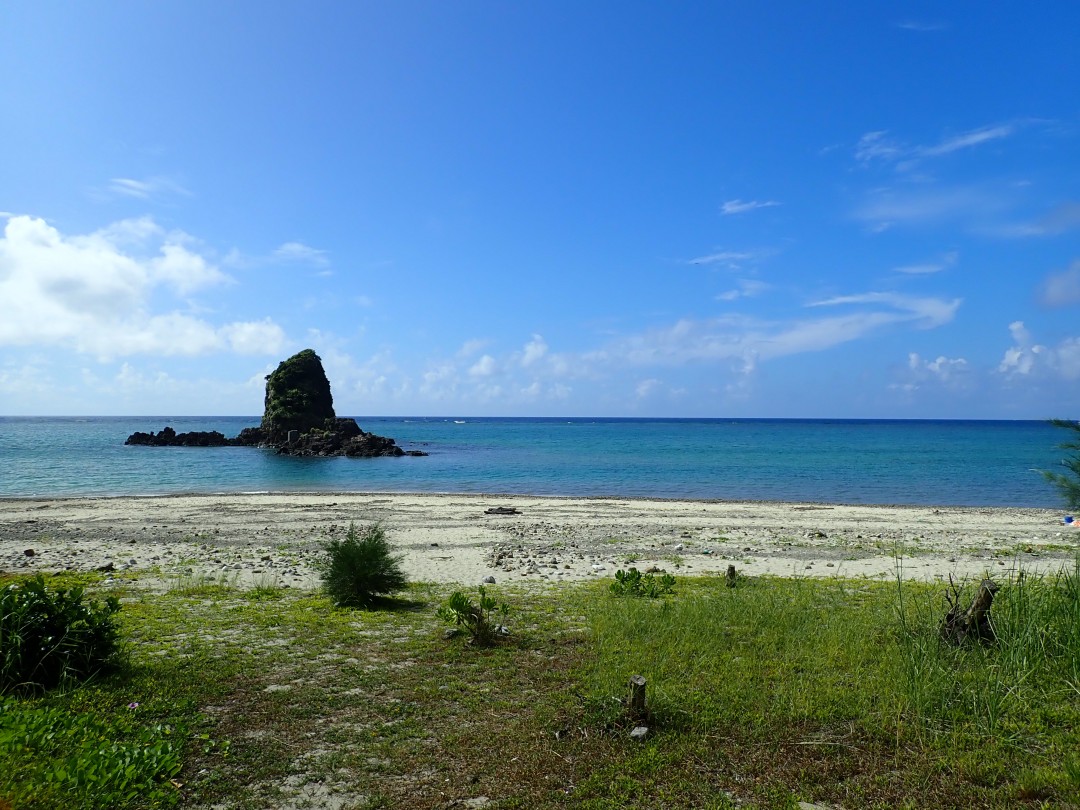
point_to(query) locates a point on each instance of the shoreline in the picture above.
(275, 537)
(349, 493)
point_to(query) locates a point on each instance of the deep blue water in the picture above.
(836, 461)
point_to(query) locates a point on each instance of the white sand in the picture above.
(449, 538)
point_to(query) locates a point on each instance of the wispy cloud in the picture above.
(301, 253)
(1062, 218)
(740, 207)
(879, 146)
(147, 188)
(745, 341)
(723, 257)
(966, 140)
(972, 206)
(746, 288)
(922, 26)
(1062, 289)
(285, 253)
(945, 261)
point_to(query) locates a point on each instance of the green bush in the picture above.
(48, 636)
(634, 583)
(1068, 484)
(361, 570)
(476, 617)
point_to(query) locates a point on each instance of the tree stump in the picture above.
(732, 576)
(636, 706)
(959, 625)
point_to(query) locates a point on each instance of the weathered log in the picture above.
(959, 625)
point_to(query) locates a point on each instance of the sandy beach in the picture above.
(276, 538)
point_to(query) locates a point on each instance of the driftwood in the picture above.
(502, 510)
(959, 625)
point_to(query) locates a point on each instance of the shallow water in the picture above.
(974, 463)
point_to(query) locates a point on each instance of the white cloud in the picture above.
(471, 347)
(1060, 219)
(926, 313)
(1062, 289)
(731, 258)
(300, 253)
(740, 207)
(746, 341)
(878, 146)
(147, 188)
(965, 140)
(922, 26)
(93, 292)
(747, 288)
(533, 351)
(943, 369)
(886, 207)
(184, 270)
(1028, 359)
(484, 367)
(255, 337)
(943, 262)
(646, 387)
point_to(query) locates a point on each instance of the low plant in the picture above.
(49, 636)
(361, 569)
(56, 757)
(634, 583)
(476, 617)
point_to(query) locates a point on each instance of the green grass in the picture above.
(760, 695)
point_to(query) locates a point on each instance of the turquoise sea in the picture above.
(974, 463)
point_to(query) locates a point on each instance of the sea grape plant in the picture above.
(634, 583)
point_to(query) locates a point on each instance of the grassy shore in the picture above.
(776, 691)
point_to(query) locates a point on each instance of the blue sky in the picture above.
(765, 209)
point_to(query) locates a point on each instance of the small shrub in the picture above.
(48, 636)
(361, 570)
(1068, 483)
(634, 583)
(475, 617)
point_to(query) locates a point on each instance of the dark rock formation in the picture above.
(299, 420)
(297, 398)
(170, 438)
(346, 440)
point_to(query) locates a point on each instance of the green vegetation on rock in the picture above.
(297, 397)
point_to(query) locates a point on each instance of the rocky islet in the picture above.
(298, 420)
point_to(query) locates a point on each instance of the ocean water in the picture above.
(973, 463)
